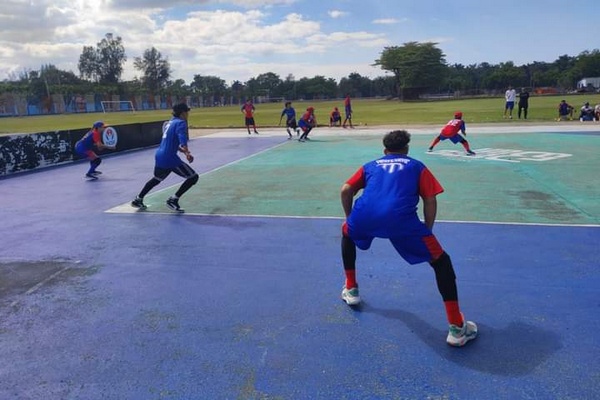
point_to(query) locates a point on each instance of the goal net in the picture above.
(116, 106)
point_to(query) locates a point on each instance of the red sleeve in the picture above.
(96, 137)
(357, 181)
(428, 185)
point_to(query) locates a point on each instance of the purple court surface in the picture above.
(143, 305)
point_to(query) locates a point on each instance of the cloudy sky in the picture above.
(239, 39)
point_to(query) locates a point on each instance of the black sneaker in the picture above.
(97, 173)
(138, 203)
(173, 204)
(256, 132)
(91, 177)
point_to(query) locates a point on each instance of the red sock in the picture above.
(466, 145)
(350, 278)
(453, 313)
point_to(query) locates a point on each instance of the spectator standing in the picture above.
(510, 95)
(523, 102)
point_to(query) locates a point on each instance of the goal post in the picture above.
(117, 106)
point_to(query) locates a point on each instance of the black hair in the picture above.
(396, 141)
(288, 103)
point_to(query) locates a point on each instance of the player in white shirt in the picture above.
(510, 97)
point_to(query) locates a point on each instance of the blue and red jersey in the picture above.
(453, 127)
(392, 186)
(248, 110)
(88, 141)
(175, 135)
(308, 120)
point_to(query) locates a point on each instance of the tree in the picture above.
(89, 64)
(156, 70)
(209, 86)
(104, 64)
(416, 66)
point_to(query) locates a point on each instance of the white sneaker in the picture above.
(459, 336)
(351, 296)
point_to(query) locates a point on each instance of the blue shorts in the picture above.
(454, 138)
(510, 105)
(418, 245)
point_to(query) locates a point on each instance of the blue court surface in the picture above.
(239, 297)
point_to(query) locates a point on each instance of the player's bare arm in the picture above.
(188, 154)
(429, 211)
(347, 196)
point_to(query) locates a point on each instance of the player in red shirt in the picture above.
(335, 117)
(451, 131)
(307, 123)
(348, 111)
(248, 110)
(387, 208)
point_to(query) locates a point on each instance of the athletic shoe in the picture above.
(256, 132)
(470, 153)
(138, 202)
(459, 336)
(430, 149)
(301, 140)
(96, 173)
(91, 177)
(351, 296)
(173, 204)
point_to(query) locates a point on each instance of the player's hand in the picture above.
(189, 157)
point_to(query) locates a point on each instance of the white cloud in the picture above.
(389, 21)
(336, 13)
(230, 43)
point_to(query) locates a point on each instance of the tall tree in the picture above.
(104, 64)
(112, 57)
(418, 66)
(156, 70)
(89, 64)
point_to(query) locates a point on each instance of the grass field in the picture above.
(366, 112)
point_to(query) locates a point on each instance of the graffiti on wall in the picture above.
(26, 152)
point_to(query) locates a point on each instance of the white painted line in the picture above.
(341, 219)
(127, 208)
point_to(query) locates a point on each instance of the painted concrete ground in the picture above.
(238, 299)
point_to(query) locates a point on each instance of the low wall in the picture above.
(26, 152)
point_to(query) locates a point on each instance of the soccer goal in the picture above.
(116, 106)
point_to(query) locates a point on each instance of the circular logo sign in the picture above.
(109, 136)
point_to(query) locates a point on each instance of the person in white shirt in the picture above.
(510, 97)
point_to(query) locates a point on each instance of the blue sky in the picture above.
(236, 39)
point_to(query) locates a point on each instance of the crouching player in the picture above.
(387, 209)
(85, 147)
(451, 131)
(307, 123)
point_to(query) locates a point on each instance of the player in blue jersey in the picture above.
(387, 208)
(85, 147)
(174, 140)
(290, 121)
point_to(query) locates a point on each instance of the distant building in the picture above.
(585, 82)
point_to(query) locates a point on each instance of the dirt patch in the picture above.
(22, 277)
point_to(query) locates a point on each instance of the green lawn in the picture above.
(366, 112)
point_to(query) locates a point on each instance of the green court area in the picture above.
(545, 178)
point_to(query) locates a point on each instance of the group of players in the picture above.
(392, 187)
